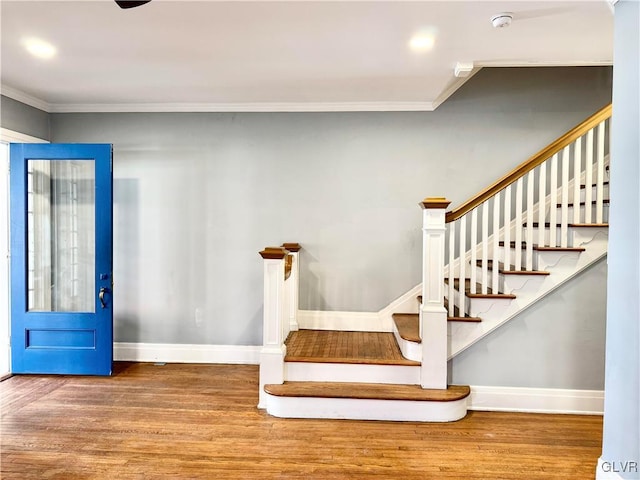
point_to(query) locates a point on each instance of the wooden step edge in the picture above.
(560, 249)
(407, 326)
(507, 296)
(464, 319)
(511, 272)
(367, 391)
(589, 225)
(524, 272)
(410, 333)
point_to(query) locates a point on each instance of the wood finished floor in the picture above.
(200, 421)
(328, 346)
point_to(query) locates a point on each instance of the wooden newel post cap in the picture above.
(292, 247)
(435, 202)
(274, 253)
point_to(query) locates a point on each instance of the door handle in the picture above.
(103, 290)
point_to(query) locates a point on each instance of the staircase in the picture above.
(483, 264)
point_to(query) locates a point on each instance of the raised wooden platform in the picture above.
(328, 346)
(371, 391)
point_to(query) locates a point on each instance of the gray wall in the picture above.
(197, 195)
(621, 441)
(23, 118)
(557, 343)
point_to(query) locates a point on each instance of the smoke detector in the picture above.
(501, 20)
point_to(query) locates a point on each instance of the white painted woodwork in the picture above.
(353, 373)
(588, 176)
(542, 196)
(518, 239)
(365, 409)
(485, 249)
(463, 263)
(274, 316)
(293, 292)
(495, 243)
(474, 251)
(577, 169)
(433, 316)
(452, 276)
(529, 240)
(600, 172)
(553, 215)
(507, 229)
(564, 209)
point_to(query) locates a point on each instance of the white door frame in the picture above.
(6, 137)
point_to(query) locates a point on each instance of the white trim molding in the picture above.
(25, 98)
(10, 136)
(536, 400)
(186, 353)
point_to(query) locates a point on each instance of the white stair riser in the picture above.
(365, 409)
(346, 372)
(410, 350)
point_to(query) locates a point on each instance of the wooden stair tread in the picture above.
(571, 225)
(408, 325)
(369, 391)
(468, 293)
(513, 271)
(329, 346)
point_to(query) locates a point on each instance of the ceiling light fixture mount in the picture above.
(502, 20)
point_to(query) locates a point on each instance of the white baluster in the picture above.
(542, 201)
(507, 228)
(600, 173)
(463, 263)
(529, 240)
(519, 226)
(553, 210)
(452, 273)
(577, 170)
(564, 209)
(433, 316)
(496, 243)
(474, 250)
(294, 285)
(588, 175)
(485, 247)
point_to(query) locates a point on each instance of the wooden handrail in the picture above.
(525, 167)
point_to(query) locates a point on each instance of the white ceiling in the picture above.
(280, 56)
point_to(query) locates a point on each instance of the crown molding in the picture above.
(245, 107)
(25, 98)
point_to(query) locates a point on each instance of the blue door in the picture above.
(61, 259)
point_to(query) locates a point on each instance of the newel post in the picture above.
(433, 316)
(292, 284)
(274, 317)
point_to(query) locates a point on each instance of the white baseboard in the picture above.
(536, 400)
(185, 353)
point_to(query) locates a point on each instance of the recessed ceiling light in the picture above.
(39, 48)
(423, 41)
